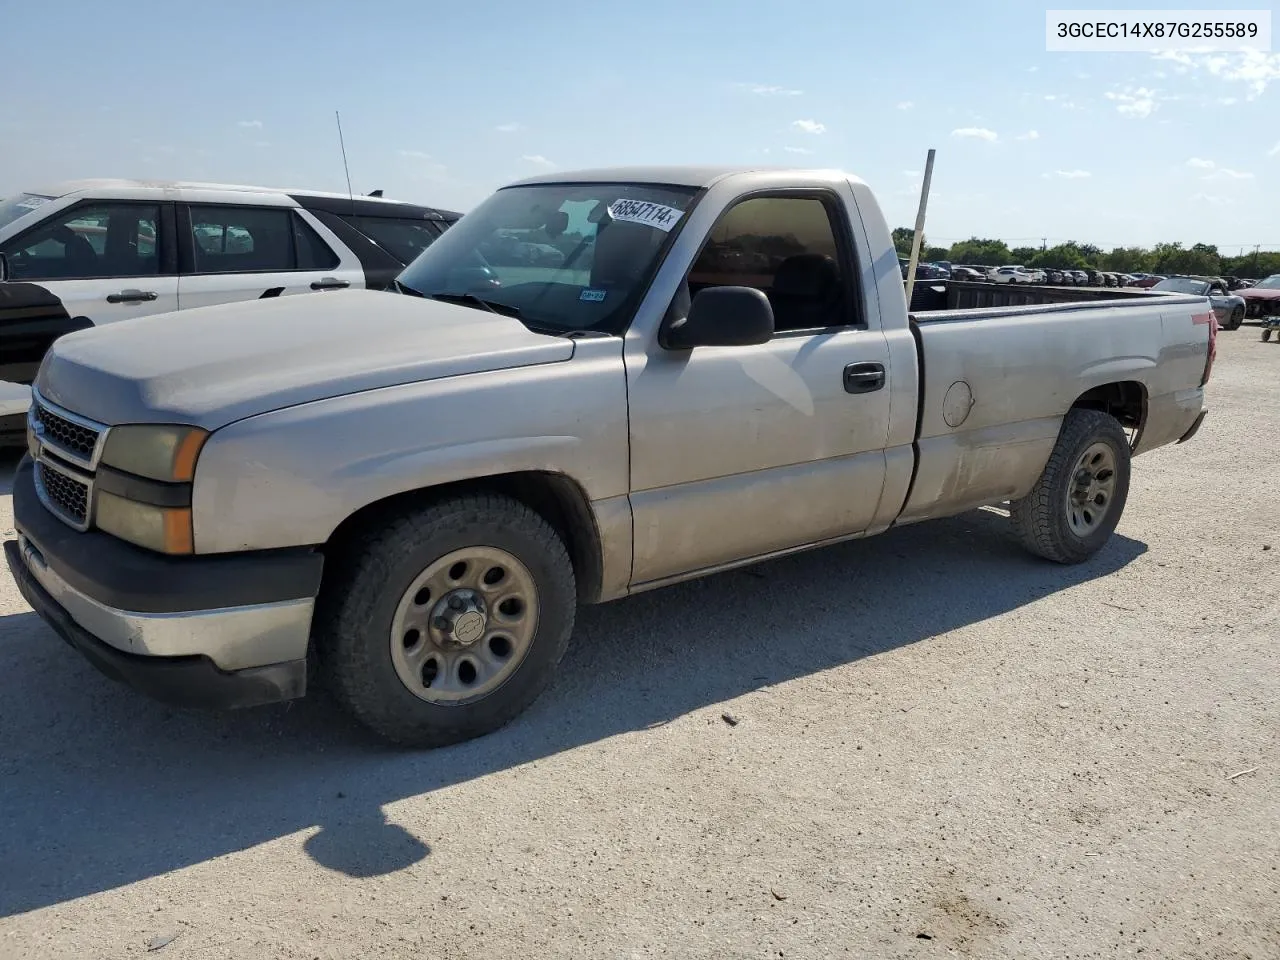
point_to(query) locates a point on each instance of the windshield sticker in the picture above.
(592, 296)
(650, 214)
(31, 203)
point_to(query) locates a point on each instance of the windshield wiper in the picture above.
(470, 299)
(501, 309)
(401, 288)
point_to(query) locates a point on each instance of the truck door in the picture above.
(105, 260)
(236, 252)
(738, 452)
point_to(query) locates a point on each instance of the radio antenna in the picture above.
(345, 169)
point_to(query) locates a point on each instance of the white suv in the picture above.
(95, 251)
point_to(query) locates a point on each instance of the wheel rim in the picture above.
(1093, 489)
(464, 625)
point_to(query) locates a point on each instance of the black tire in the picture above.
(1041, 518)
(1266, 334)
(1236, 318)
(359, 600)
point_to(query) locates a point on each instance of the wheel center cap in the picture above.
(469, 627)
(461, 618)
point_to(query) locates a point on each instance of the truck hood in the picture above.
(213, 365)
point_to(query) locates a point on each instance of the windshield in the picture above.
(11, 208)
(564, 256)
(1183, 285)
(1271, 283)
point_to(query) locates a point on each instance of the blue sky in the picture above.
(441, 103)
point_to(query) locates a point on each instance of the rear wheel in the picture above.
(1074, 507)
(1236, 318)
(445, 623)
(1266, 334)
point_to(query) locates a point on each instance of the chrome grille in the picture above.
(66, 449)
(65, 494)
(76, 438)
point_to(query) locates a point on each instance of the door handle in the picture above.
(132, 296)
(863, 377)
(330, 283)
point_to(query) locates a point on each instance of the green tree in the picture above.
(1253, 265)
(1201, 259)
(902, 240)
(988, 253)
(1064, 256)
(1129, 260)
(1023, 255)
(932, 254)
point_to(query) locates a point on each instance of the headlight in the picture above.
(152, 515)
(156, 451)
(164, 529)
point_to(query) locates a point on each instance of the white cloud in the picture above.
(1274, 151)
(1223, 173)
(538, 160)
(1201, 164)
(767, 90)
(249, 124)
(1255, 69)
(1138, 103)
(809, 126)
(976, 133)
(1029, 135)
(905, 104)
(797, 150)
(1228, 101)
(1051, 97)
(1211, 200)
(911, 173)
(414, 154)
(1072, 174)
(507, 127)
(1033, 69)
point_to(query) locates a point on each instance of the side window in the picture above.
(242, 239)
(92, 241)
(403, 238)
(785, 247)
(313, 252)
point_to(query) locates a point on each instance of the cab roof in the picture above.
(689, 175)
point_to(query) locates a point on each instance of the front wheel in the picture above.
(444, 623)
(1236, 318)
(1266, 334)
(1074, 507)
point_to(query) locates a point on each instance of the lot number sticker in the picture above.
(650, 214)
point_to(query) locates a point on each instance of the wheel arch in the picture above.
(1126, 400)
(557, 498)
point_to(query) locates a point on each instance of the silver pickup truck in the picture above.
(594, 384)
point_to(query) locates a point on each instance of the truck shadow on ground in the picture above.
(100, 788)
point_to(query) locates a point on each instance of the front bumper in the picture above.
(217, 631)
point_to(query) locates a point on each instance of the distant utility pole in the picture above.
(1044, 243)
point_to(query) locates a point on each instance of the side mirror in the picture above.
(722, 317)
(4, 268)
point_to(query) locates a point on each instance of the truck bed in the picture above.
(996, 382)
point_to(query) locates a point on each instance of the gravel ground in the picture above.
(943, 748)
